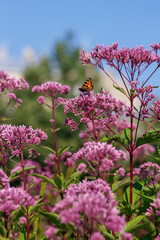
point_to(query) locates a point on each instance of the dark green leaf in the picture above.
(120, 184)
(44, 178)
(149, 137)
(48, 149)
(53, 217)
(3, 231)
(19, 172)
(132, 225)
(58, 182)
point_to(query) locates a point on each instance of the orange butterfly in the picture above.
(87, 86)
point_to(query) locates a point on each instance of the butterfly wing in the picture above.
(87, 86)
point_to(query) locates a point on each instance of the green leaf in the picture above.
(121, 184)
(48, 149)
(53, 217)
(63, 149)
(135, 108)
(149, 137)
(73, 179)
(44, 178)
(18, 173)
(58, 182)
(132, 225)
(126, 133)
(17, 214)
(107, 235)
(119, 89)
(3, 231)
(117, 138)
(135, 195)
(123, 138)
(36, 207)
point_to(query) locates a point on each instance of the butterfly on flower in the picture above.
(87, 86)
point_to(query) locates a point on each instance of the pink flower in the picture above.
(41, 99)
(154, 209)
(50, 231)
(98, 112)
(158, 237)
(97, 236)
(9, 83)
(81, 199)
(142, 151)
(82, 167)
(11, 96)
(19, 137)
(12, 198)
(100, 156)
(155, 108)
(126, 236)
(72, 124)
(51, 89)
(149, 171)
(4, 180)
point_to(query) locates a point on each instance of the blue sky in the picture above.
(40, 23)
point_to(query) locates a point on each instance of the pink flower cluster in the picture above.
(97, 111)
(149, 171)
(158, 237)
(88, 205)
(132, 58)
(142, 151)
(8, 83)
(19, 137)
(4, 180)
(99, 156)
(144, 94)
(12, 198)
(154, 209)
(155, 108)
(51, 89)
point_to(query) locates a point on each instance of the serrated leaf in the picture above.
(58, 182)
(121, 184)
(3, 231)
(132, 224)
(149, 137)
(44, 178)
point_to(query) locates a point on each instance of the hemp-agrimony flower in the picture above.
(12, 198)
(88, 205)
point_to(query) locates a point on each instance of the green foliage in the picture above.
(149, 137)
(3, 231)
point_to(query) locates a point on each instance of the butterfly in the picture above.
(87, 86)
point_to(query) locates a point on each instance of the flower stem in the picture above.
(24, 186)
(55, 141)
(131, 153)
